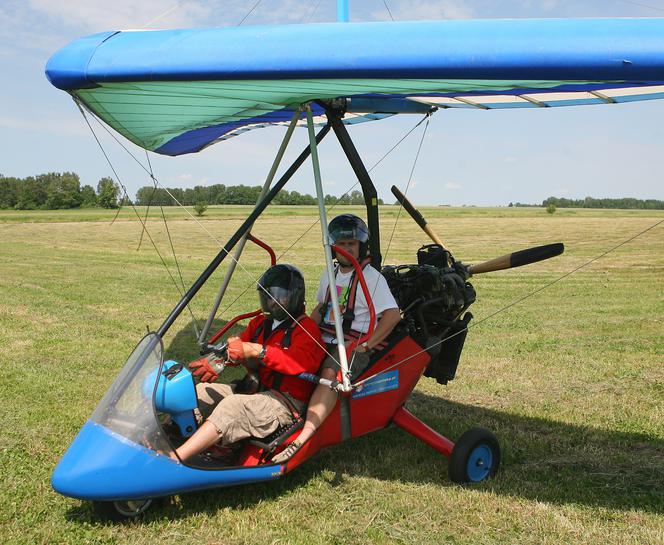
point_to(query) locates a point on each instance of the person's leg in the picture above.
(204, 437)
(321, 404)
(235, 418)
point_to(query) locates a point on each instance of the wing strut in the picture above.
(243, 240)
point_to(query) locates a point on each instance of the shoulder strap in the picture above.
(275, 377)
(326, 302)
(259, 332)
(349, 311)
(286, 341)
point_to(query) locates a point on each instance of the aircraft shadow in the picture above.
(542, 460)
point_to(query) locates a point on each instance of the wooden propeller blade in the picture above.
(419, 219)
(518, 259)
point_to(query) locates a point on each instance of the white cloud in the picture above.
(95, 15)
(44, 125)
(452, 186)
(432, 10)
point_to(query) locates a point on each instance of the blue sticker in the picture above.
(378, 384)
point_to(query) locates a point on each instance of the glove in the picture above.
(204, 370)
(236, 349)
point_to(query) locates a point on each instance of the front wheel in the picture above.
(121, 511)
(475, 457)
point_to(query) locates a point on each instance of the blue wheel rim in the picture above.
(480, 463)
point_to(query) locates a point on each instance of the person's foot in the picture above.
(288, 452)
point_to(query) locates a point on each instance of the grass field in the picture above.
(571, 380)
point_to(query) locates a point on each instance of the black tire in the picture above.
(121, 511)
(475, 457)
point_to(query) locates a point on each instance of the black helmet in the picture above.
(281, 292)
(350, 226)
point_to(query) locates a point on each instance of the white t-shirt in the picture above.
(380, 295)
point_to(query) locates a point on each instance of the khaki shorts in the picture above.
(238, 416)
(357, 361)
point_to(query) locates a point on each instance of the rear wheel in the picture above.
(123, 510)
(475, 457)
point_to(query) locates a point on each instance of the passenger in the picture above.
(350, 233)
(279, 344)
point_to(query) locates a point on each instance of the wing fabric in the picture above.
(178, 92)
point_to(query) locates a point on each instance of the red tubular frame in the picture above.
(273, 261)
(367, 295)
(407, 422)
(231, 323)
(265, 246)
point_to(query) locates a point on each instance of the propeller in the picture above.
(507, 261)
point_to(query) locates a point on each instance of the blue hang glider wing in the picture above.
(179, 91)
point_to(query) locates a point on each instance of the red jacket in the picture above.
(304, 355)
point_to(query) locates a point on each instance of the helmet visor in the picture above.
(348, 232)
(276, 301)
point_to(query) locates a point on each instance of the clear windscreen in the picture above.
(127, 407)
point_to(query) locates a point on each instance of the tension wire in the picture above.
(516, 302)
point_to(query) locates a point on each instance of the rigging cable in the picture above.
(308, 15)
(195, 323)
(408, 133)
(249, 13)
(516, 302)
(163, 261)
(388, 9)
(642, 5)
(410, 178)
(237, 262)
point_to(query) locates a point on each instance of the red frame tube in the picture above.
(231, 323)
(265, 246)
(413, 425)
(367, 295)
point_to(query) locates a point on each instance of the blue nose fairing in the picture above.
(103, 465)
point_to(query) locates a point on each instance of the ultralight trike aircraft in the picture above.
(178, 91)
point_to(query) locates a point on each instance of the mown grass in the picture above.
(571, 381)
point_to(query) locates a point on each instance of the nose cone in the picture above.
(102, 465)
(105, 466)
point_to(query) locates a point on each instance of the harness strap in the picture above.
(349, 310)
(275, 376)
(351, 335)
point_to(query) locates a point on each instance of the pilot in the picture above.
(350, 233)
(279, 344)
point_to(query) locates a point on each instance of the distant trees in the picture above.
(108, 193)
(52, 190)
(63, 190)
(233, 194)
(591, 202)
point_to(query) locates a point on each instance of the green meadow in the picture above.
(570, 379)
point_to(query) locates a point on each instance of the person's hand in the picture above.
(203, 369)
(236, 349)
(352, 346)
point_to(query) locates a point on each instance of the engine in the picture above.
(433, 296)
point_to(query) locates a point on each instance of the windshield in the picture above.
(127, 407)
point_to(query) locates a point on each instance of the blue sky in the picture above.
(468, 157)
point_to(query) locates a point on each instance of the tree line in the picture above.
(56, 190)
(627, 203)
(232, 194)
(591, 202)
